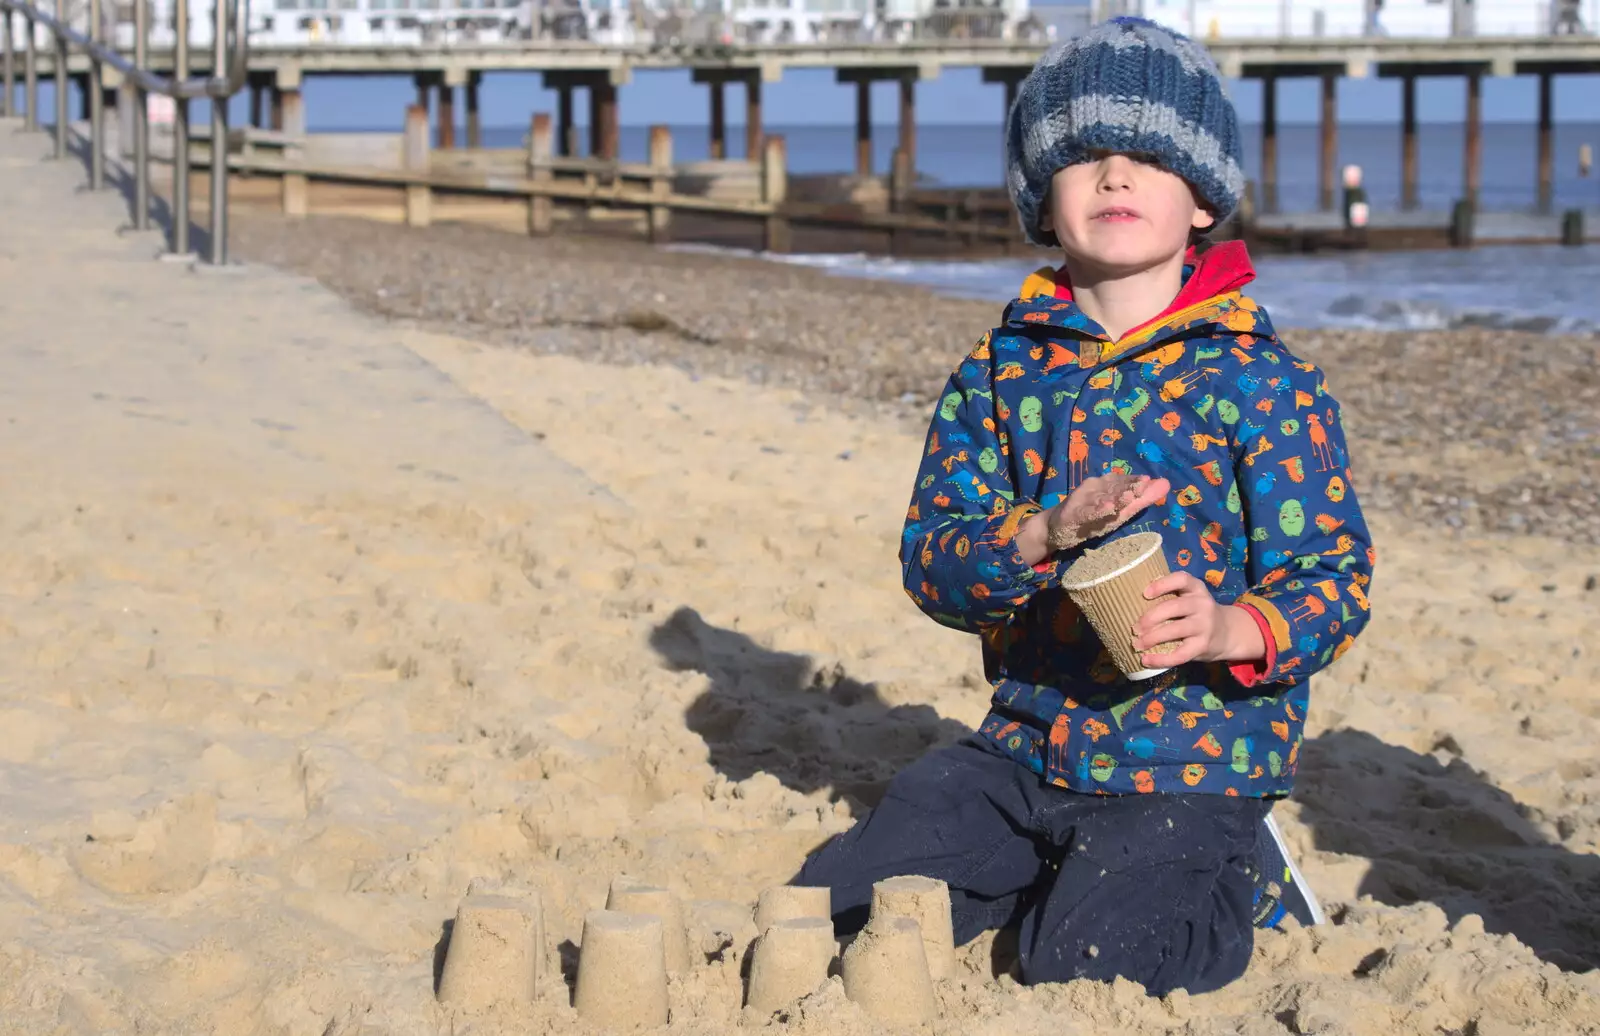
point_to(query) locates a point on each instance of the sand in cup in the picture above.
(1107, 584)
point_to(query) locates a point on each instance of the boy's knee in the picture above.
(1107, 955)
(1197, 934)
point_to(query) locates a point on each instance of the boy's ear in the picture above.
(1203, 219)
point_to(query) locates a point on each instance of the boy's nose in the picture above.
(1116, 173)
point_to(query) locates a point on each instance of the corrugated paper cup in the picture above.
(1107, 584)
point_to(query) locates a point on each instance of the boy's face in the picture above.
(1118, 214)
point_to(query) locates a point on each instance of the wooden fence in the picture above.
(543, 181)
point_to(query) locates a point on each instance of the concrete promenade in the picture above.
(118, 368)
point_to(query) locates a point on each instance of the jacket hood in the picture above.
(1211, 301)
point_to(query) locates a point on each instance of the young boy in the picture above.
(1124, 827)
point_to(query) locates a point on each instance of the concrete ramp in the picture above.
(114, 366)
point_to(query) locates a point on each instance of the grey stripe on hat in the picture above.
(1193, 58)
(1133, 117)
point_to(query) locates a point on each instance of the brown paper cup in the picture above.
(1107, 584)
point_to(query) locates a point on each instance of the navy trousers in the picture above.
(1148, 887)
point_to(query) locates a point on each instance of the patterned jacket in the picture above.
(1263, 510)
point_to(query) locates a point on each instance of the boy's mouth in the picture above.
(1116, 214)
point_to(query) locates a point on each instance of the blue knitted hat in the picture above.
(1127, 85)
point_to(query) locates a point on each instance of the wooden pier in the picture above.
(445, 76)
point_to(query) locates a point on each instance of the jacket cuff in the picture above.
(1251, 673)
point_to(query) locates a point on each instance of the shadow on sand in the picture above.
(810, 727)
(1440, 831)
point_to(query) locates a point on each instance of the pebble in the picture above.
(1467, 431)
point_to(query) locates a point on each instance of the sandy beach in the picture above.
(262, 733)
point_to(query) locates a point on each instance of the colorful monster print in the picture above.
(1261, 509)
(1292, 517)
(1030, 410)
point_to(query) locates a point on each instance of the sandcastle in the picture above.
(496, 950)
(792, 958)
(622, 971)
(927, 902)
(786, 902)
(886, 972)
(631, 896)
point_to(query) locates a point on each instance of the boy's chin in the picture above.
(1118, 259)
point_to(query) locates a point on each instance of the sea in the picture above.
(1549, 288)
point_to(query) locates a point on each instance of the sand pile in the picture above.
(260, 740)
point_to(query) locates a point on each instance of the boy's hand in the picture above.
(1098, 506)
(1201, 628)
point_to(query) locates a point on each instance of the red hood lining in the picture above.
(1219, 269)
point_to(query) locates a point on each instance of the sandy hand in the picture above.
(1100, 505)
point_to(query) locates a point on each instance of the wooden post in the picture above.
(610, 125)
(1547, 152)
(660, 219)
(1408, 142)
(419, 198)
(1472, 174)
(447, 116)
(863, 127)
(1330, 140)
(775, 191)
(1269, 144)
(474, 120)
(566, 132)
(275, 110)
(753, 132)
(290, 113)
(541, 148)
(900, 173)
(719, 120)
(908, 123)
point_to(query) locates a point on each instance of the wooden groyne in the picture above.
(405, 178)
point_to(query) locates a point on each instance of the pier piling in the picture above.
(863, 127)
(1269, 144)
(1408, 142)
(566, 132)
(474, 119)
(719, 119)
(1473, 173)
(1330, 141)
(908, 127)
(753, 131)
(1546, 142)
(446, 114)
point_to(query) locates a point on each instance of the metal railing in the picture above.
(229, 71)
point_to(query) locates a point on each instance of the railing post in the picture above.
(61, 81)
(141, 118)
(8, 65)
(97, 105)
(775, 191)
(219, 138)
(30, 76)
(541, 149)
(660, 218)
(180, 135)
(419, 198)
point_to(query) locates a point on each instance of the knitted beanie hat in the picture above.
(1127, 85)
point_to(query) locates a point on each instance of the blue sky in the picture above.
(811, 97)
